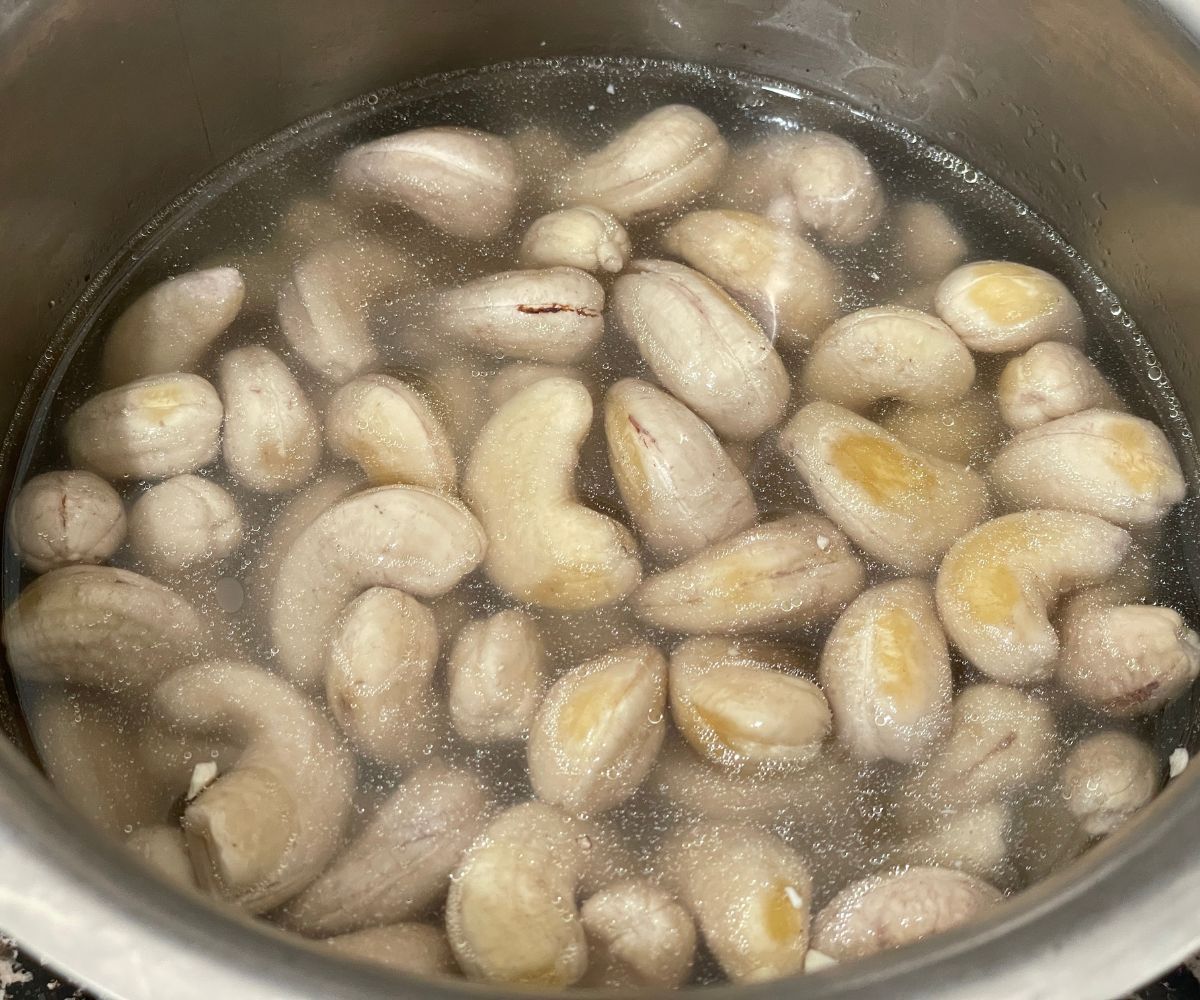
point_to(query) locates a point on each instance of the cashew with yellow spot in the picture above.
(65, 518)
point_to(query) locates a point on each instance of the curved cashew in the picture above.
(399, 865)
(995, 585)
(885, 669)
(750, 894)
(1049, 381)
(183, 521)
(1113, 465)
(972, 839)
(169, 328)
(163, 850)
(585, 237)
(997, 306)
(265, 828)
(637, 935)
(660, 162)
(756, 175)
(418, 949)
(702, 346)
(1126, 660)
(967, 431)
(546, 547)
(1106, 778)
(460, 180)
(156, 427)
(391, 432)
(785, 282)
(63, 518)
(518, 375)
(678, 484)
(781, 575)
(888, 911)
(555, 314)
(599, 729)
(900, 505)
(100, 626)
(888, 353)
(930, 244)
(391, 536)
(496, 676)
(834, 190)
(736, 703)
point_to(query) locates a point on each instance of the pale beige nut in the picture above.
(389, 429)
(1101, 462)
(973, 838)
(546, 547)
(637, 935)
(967, 431)
(413, 948)
(784, 574)
(995, 586)
(64, 518)
(170, 327)
(659, 163)
(583, 236)
(599, 729)
(787, 284)
(997, 306)
(834, 190)
(885, 669)
(678, 484)
(929, 243)
(898, 504)
(183, 521)
(1049, 381)
(1106, 778)
(887, 352)
(756, 175)
(156, 427)
(750, 894)
(702, 346)
(460, 180)
(518, 375)
(163, 850)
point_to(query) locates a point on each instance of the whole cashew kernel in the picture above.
(585, 237)
(1049, 381)
(930, 244)
(967, 431)
(1106, 778)
(418, 949)
(834, 189)
(183, 521)
(64, 518)
(637, 935)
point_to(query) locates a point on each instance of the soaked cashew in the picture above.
(418, 949)
(1126, 660)
(888, 353)
(997, 306)
(170, 327)
(756, 175)
(788, 286)
(156, 427)
(967, 431)
(702, 346)
(887, 911)
(678, 484)
(545, 546)
(391, 432)
(737, 704)
(1106, 778)
(834, 189)
(518, 375)
(64, 518)
(1113, 465)
(460, 180)
(555, 314)
(972, 839)
(585, 237)
(930, 244)
(885, 669)
(496, 677)
(183, 521)
(1049, 381)
(750, 894)
(599, 729)
(995, 586)
(900, 505)
(163, 850)
(398, 867)
(659, 163)
(637, 935)
(781, 575)
(265, 828)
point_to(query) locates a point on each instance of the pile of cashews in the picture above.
(963, 559)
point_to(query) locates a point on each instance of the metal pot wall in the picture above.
(1087, 109)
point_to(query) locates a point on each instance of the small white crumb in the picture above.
(822, 542)
(794, 897)
(591, 107)
(815, 960)
(610, 89)
(1177, 762)
(203, 775)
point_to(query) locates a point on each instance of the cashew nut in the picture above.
(268, 826)
(518, 375)
(183, 521)
(834, 189)
(659, 163)
(1106, 778)
(63, 518)
(900, 505)
(972, 839)
(163, 850)
(391, 432)
(170, 327)
(997, 306)
(637, 935)
(156, 427)
(756, 176)
(399, 865)
(1049, 381)
(585, 237)
(995, 586)
(967, 431)
(885, 669)
(460, 180)
(930, 244)
(418, 949)
(702, 346)
(545, 546)
(888, 353)
(781, 575)
(1113, 465)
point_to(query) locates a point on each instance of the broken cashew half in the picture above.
(66, 518)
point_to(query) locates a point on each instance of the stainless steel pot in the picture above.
(1087, 109)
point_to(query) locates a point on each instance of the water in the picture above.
(267, 208)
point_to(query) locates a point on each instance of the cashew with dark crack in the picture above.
(637, 935)
(1106, 778)
(65, 518)
(1049, 381)
(585, 237)
(182, 522)
(417, 949)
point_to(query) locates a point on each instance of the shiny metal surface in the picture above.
(1087, 109)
